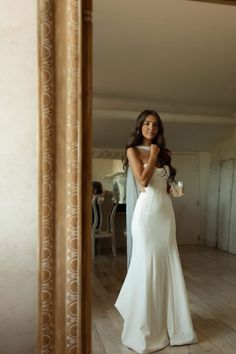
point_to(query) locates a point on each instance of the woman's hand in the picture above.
(154, 151)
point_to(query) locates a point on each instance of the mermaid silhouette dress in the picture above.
(153, 299)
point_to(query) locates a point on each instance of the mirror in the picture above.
(178, 59)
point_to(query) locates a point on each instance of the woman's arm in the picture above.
(143, 175)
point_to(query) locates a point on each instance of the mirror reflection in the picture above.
(174, 58)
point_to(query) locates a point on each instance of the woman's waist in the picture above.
(153, 202)
(153, 194)
(156, 189)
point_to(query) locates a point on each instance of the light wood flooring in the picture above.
(210, 277)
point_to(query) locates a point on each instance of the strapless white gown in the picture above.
(153, 299)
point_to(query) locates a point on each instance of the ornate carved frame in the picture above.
(65, 151)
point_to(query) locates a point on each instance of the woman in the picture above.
(153, 299)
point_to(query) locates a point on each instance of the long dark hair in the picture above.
(97, 187)
(136, 138)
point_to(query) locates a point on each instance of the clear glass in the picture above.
(178, 189)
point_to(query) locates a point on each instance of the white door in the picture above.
(213, 204)
(187, 210)
(226, 183)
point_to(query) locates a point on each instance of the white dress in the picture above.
(153, 299)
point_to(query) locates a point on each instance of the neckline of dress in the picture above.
(144, 147)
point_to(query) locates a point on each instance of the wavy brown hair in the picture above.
(136, 138)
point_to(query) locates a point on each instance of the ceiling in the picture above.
(177, 57)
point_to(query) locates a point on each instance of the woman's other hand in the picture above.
(154, 151)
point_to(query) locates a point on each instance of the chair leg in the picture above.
(113, 244)
(99, 246)
(93, 246)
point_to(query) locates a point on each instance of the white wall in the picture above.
(117, 166)
(103, 167)
(18, 178)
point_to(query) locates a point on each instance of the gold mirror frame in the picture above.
(65, 155)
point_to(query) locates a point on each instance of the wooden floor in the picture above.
(210, 277)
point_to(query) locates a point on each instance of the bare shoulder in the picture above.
(134, 157)
(131, 151)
